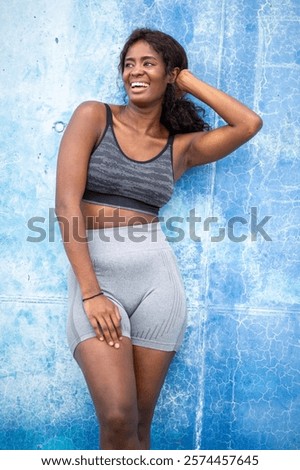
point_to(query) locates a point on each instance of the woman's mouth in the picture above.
(139, 85)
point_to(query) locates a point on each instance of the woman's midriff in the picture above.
(97, 216)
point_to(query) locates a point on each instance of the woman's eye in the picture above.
(128, 65)
(148, 63)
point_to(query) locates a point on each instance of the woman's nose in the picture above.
(137, 70)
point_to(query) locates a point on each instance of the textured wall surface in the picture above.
(235, 382)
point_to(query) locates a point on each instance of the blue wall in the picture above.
(235, 382)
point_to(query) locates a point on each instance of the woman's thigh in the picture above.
(110, 376)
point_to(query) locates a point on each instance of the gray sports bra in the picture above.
(115, 179)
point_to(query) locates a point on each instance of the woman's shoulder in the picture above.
(91, 113)
(90, 109)
(93, 106)
(93, 110)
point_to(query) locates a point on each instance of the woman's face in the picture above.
(144, 75)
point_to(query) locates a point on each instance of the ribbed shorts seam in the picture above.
(175, 309)
(159, 344)
(82, 338)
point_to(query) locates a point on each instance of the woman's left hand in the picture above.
(182, 80)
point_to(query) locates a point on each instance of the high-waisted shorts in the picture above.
(137, 270)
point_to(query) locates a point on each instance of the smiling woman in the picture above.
(117, 167)
(144, 73)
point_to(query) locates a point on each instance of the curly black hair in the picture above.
(179, 114)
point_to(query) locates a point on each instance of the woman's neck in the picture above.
(145, 120)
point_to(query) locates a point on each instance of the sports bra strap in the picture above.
(171, 139)
(108, 115)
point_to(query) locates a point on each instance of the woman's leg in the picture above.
(151, 367)
(110, 377)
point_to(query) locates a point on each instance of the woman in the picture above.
(117, 166)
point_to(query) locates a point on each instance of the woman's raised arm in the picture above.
(242, 123)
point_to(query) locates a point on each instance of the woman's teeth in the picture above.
(139, 84)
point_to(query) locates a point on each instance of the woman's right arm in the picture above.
(79, 139)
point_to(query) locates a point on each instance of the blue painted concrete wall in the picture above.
(235, 382)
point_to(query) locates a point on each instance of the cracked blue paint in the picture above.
(235, 382)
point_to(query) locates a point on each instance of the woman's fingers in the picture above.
(106, 321)
(109, 332)
(116, 318)
(111, 328)
(97, 329)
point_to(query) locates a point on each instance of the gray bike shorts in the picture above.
(137, 270)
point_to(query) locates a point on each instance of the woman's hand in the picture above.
(182, 80)
(105, 318)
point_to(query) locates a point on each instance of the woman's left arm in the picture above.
(242, 123)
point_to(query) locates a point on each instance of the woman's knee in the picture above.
(119, 420)
(119, 429)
